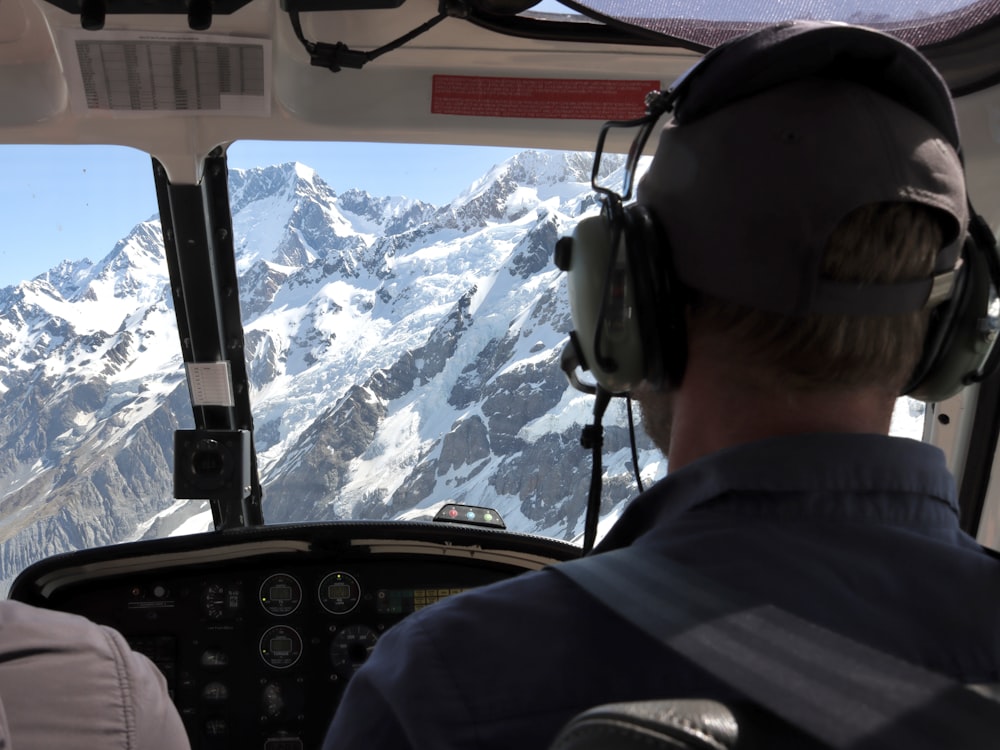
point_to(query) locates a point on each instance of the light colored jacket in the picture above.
(68, 683)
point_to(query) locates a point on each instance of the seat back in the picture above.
(680, 725)
(651, 725)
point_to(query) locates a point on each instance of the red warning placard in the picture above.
(553, 98)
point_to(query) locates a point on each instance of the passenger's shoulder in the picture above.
(106, 692)
(47, 627)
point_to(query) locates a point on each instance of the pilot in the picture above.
(68, 683)
(806, 222)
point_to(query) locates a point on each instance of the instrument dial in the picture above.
(350, 648)
(280, 646)
(339, 593)
(280, 594)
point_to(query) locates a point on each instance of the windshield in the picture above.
(920, 22)
(403, 349)
(403, 345)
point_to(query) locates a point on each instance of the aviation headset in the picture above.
(626, 300)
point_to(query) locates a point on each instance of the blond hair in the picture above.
(877, 243)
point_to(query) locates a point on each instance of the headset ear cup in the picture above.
(631, 327)
(958, 340)
(607, 333)
(659, 300)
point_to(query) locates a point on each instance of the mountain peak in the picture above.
(545, 169)
(389, 215)
(286, 208)
(68, 276)
(290, 180)
(529, 179)
(549, 167)
(303, 172)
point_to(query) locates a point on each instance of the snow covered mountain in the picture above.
(401, 355)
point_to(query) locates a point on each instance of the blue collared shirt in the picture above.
(858, 533)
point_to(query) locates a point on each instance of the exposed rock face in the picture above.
(466, 444)
(400, 355)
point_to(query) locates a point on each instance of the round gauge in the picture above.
(280, 646)
(215, 692)
(339, 593)
(350, 648)
(280, 594)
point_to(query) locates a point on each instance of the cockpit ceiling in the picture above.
(46, 54)
(708, 23)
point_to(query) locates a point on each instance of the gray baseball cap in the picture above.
(749, 194)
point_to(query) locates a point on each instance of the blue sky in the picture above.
(73, 202)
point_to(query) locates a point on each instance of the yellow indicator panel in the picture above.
(405, 601)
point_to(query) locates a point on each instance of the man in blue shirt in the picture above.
(810, 224)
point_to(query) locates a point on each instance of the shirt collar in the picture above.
(844, 463)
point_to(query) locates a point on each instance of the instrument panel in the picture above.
(259, 631)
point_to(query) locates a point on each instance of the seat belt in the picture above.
(843, 693)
